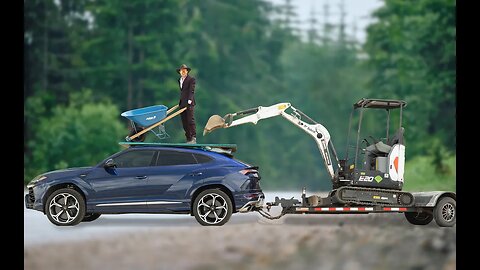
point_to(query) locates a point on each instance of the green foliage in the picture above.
(80, 134)
(127, 53)
(131, 49)
(411, 49)
(421, 174)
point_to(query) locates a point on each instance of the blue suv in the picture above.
(203, 182)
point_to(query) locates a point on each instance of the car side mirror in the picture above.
(110, 164)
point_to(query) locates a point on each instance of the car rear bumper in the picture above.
(257, 200)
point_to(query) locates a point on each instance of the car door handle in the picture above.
(141, 177)
(196, 174)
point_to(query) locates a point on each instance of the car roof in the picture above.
(199, 150)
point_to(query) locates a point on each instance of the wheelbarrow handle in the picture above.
(172, 109)
(158, 123)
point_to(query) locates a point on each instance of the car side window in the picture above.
(202, 158)
(130, 159)
(170, 158)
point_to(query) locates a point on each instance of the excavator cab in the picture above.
(377, 161)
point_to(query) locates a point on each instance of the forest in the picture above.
(87, 61)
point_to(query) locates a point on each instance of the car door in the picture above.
(122, 188)
(175, 171)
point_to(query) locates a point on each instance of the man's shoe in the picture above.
(192, 141)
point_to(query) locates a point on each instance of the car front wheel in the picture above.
(212, 207)
(65, 207)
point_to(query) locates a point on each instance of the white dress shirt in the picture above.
(181, 81)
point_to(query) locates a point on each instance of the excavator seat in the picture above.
(381, 150)
(397, 137)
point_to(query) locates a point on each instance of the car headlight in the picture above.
(37, 179)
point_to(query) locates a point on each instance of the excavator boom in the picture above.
(317, 131)
(216, 121)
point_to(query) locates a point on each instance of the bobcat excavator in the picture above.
(370, 181)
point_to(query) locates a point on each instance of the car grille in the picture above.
(31, 196)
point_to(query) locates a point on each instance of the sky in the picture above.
(357, 11)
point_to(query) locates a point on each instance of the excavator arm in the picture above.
(317, 131)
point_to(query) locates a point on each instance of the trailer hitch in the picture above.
(284, 203)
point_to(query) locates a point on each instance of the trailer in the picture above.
(432, 205)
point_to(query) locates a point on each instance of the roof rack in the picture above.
(214, 147)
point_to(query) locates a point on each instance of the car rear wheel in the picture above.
(65, 207)
(90, 217)
(212, 207)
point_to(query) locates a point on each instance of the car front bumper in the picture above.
(29, 201)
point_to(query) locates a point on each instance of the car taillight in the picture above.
(253, 178)
(245, 171)
(250, 196)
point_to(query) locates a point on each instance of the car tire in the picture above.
(65, 207)
(445, 212)
(419, 218)
(212, 207)
(90, 217)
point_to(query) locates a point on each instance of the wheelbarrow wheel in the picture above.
(140, 138)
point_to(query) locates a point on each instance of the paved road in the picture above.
(39, 230)
(248, 241)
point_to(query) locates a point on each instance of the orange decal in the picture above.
(395, 163)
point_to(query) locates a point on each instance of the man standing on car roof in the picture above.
(187, 99)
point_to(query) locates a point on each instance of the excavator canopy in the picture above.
(379, 103)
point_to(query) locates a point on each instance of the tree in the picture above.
(79, 134)
(411, 49)
(130, 51)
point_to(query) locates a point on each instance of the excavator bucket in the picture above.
(214, 122)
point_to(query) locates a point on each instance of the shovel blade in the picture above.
(214, 122)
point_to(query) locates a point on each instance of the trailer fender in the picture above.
(430, 198)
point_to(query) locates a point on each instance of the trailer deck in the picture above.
(438, 205)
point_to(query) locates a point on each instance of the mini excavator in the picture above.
(372, 177)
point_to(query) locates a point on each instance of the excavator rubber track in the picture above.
(374, 196)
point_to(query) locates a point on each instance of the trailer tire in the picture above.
(445, 212)
(419, 218)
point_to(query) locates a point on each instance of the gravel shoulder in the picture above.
(328, 241)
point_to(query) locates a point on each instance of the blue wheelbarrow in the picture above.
(147, 119)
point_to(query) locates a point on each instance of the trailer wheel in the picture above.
(445, 212)
(419, 218)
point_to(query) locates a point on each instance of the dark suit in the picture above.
(187, 92)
